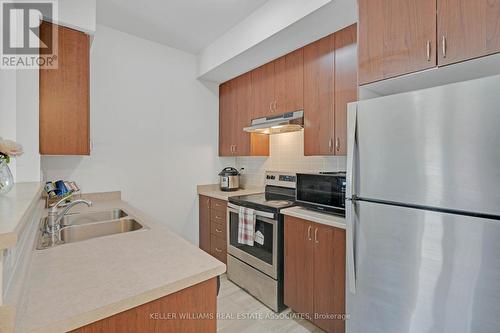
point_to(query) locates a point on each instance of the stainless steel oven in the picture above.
(263, 257)
(258, 269)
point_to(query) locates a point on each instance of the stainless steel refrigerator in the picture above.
(423, 211)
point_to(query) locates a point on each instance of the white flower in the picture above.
(10, 148)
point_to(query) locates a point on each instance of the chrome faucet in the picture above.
(54, 219)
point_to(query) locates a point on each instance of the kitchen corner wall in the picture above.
(154, 128)
(286, 154)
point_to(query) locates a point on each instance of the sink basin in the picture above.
(84, 218)
(77, 233)
(84, 228)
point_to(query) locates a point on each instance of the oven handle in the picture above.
(236, 209)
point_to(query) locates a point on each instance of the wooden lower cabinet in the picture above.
(212, 227)
(204, 223)
(315, 272)
(198, 301)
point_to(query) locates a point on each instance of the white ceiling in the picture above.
(188, 25)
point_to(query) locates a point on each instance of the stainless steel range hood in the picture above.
(287, 122)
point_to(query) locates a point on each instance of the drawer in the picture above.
(218, 205)
(218, 216)
(218, 229)
(218, 248)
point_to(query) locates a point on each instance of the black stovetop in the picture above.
(273, 200)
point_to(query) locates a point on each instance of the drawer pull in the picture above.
(218, 217)
(218, 250)
(218, 230)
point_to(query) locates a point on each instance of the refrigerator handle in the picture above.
(350, 249)
(352, 115)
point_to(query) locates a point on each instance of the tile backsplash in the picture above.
(286, 154)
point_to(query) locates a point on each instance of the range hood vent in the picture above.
(287, 122)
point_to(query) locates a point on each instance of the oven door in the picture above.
(260, 256)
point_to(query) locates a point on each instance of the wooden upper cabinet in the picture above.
(467, 29)
(396, 37)
(64, 95)
(319, 63)
(346, 82)
(244, 103)
(289, 82)
(298, 265)
(227, 118)
(263, 90)
(235, 113)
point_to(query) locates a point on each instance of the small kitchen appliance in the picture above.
(229, 179)
(324, 191)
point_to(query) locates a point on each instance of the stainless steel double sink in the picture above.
(82, 226)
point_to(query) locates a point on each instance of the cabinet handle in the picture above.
(270, 106)
(217, 217)
(429, 48)
(218, 230)
(316, 236)
(309, 233)
(330, 145)
(443, 45)
(337, 144)
(234, 148)
(218, 250)
(208, 203)
(275, 106)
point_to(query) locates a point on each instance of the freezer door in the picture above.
(438, 147)
(421, 271)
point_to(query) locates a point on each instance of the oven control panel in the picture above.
(283, 179)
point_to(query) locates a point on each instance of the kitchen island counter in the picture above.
(75, 284)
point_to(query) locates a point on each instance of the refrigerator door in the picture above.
(421, 271)
(437, 147)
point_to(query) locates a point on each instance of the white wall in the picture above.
(8, 108)
(286, 154)
(270, 18)
(77, 14)
(27, 111)
(154, 127)
(275, 29)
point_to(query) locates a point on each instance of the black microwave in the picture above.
(322, 191)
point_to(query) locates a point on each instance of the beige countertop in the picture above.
(214, 191)
(13, 207)
(72, 285)
(314, 216)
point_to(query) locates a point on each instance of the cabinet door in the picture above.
(247, 144)
(395, 38)
(64, 95)
(329, 277)
(244, 103)
(204, 223)
(289, 82)
(263, 90)
(346, 83)
(467, 29)
(319, 97)
(298, 262)
(227, 118)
